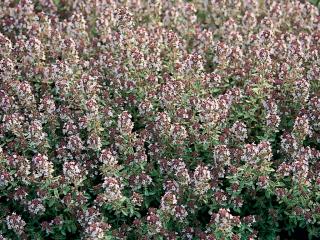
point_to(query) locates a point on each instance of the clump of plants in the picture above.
(159, 119)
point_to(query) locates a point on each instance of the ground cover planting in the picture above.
(159, 119)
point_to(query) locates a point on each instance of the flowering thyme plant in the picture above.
(159, 119)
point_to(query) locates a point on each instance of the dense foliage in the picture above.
(159, 119)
